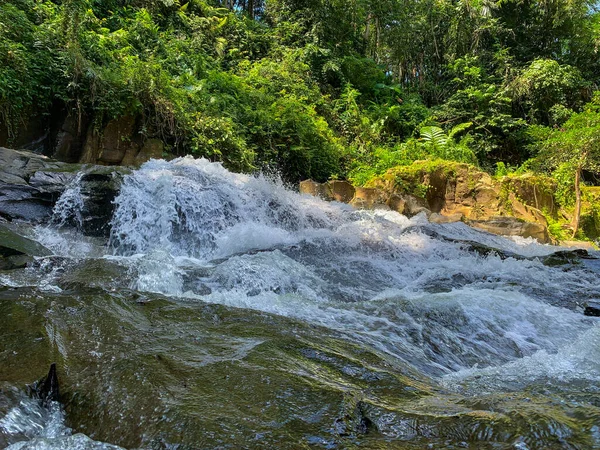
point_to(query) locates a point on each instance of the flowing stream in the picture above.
(226, 311)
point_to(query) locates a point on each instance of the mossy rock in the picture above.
(12, 244)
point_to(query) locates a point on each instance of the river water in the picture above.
(226, 311)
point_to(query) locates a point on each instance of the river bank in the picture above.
(447, 192)
(443, 191)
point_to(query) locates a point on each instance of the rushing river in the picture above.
(226, 311)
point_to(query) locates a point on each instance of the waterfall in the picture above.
(68, 210)
(292, 320)
(411, 289)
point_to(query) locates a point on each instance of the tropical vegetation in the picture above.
(319, 88)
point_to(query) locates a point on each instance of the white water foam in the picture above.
(373, 275)
(40, 427)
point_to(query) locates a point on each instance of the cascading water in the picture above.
(341, 327)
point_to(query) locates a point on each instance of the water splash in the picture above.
(68, 210)
(411, 289)
(196, 208)
(38, 427)
(30, 419)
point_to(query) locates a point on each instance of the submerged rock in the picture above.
(592, 309)
(563, 257)
(17, 251)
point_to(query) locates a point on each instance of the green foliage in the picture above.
(446, 146)
(590, 219)
(557, 230)
(577, 142)
(545, 89)
(565, 185)
(313, 88)
(501, 170)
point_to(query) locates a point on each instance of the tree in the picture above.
(544, 84)
(576, 143)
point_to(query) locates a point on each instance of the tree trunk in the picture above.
(577, 214)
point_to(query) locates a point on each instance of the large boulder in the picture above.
(70, 139)
(99, 188)
(369, 198)
(341, 191)
(31, 184)
(316, 189)
(110, 146)
(20, 199)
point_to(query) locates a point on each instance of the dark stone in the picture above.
(24, 203)
(354, 419)
(16, 251)
(46, 389)
(31, 184)
(18, 198)
(70, 139)
(592, 309)
(15, 262)
(31, 135)
(117, 138)
(563, 257)
(51, 182)
(99, 190)
(12, 243)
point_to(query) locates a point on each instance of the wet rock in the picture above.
(315, 189)
(353, 419)
(30, 185)
(415, 205)
(99, 191)
(443, 218)
(18, 198)
(511, 226)
(341, 191)
(592, 309)
(46, 389)
(51, 182)
(77, 441)
(17, 251)
(369, 198)
(396, 203)
(565, 257)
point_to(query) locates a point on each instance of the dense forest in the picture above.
(318, 88)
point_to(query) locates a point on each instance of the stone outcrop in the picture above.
(119, 144)
(511, 226)
(451, 192)
(30, 185)
(75, 138)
